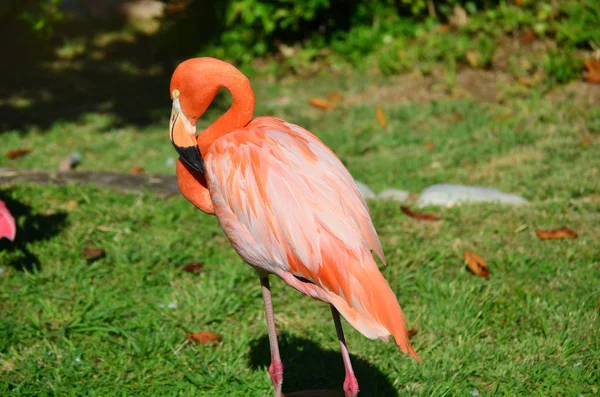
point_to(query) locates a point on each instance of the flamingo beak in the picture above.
(183, 137)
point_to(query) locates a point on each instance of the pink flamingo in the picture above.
(287, 204)
(7, 223)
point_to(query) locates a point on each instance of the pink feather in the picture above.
(7, 223)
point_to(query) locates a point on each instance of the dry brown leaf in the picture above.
(519, 3)
(593, 70)
(321, 103)
(13, 154)
(528, 37)
(193, 267)
(93, 254)
(585, 141)
(429, 145)
(335, 96)
(591, 64)
(526, 81)
(555, 234)
(380, 115)
(472, 58)
(204, 337)
(476, 264)
(443, 28)
(136, 170)
(412, 332)
(417, 215)
(593, 77)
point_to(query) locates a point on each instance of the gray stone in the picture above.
(393, 194)
(449, 195)
(366, 192)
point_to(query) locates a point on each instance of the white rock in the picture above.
(366, 192)
(393, 194)
(449, 195)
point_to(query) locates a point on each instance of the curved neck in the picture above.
(239, 114)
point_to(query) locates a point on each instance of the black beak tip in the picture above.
(192, 157)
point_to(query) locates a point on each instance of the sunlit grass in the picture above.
(117, 326)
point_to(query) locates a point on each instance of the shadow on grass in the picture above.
(35, 227)
(308, 366)
(96, 66)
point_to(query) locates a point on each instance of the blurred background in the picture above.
(67, 57)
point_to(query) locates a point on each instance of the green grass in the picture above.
(69, 327)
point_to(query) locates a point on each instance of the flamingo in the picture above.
(7, 223)
(287, 204)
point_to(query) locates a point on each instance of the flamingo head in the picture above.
(194, 85)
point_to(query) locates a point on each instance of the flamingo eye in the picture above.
(175, 94)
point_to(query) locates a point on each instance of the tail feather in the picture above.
(368, 303)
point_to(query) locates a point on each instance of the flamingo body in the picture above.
(290, 208)
(287, 204)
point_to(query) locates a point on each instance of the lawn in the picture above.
(118, 325)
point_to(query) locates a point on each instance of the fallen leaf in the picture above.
(526, 81)
(321, 103)
(412, 332)
(13, 154)
(519, 3)
(136, 170)
(429, 145)
(416, 215)
(476, 264)
(204, 337)
(335, 96)
(472, 58)
(193, 267)
(585, 141)
(93, 254)
(554, 234)
(528, 37)
(593, 70)
(591, 64)
(380, 115)
(443, 28)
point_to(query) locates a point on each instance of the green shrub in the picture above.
(40, 16)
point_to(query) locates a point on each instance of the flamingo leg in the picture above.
(350, 383)
(276, 367)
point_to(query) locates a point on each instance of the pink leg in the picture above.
(276, 367)
(350, 383)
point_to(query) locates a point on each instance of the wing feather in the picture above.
(290, 207)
